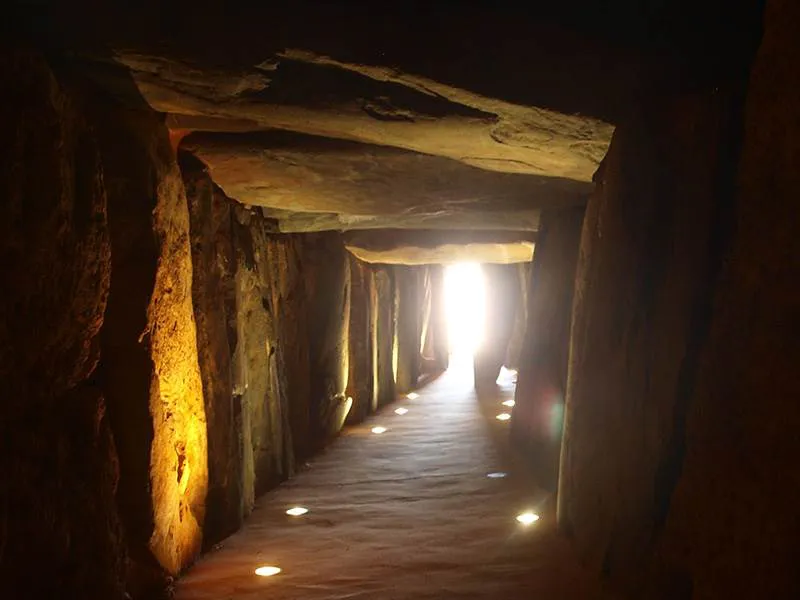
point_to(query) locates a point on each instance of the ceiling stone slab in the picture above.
(297, 90)
(419, 247)
(298, 222)
(448, 254)
(367, 185)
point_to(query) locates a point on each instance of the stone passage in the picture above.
(409, 513)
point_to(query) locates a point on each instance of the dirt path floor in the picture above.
(407, 514)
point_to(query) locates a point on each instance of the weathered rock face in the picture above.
(733, 527)
(149, 364)
(213, 267)
(410, 294)
(275, 346)
(328, 289)
(542, 374)
(58, 466)
(386, 334)
(650, 251)
(362, 379)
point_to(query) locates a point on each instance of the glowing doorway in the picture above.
(465, 302)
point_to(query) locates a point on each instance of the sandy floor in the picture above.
(409, 513)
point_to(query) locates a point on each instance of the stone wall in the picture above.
(409, 285)
(386, 334)
(656, 235)
(58, 466)
(149, 366)
(542, 374)
(733, 528)
(362, 381)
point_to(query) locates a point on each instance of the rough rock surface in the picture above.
(409, 289)
(649, 254)
(149, 362)
(58, 469)
(386, 333)
(366, 185)
(362, 385)
(428, 247)
(542, 372)
(733, 526)
(213, 267)
(301, 91)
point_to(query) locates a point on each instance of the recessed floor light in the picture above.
(267, 571)
(503, 417)
(297, 511)
(509, 403)
(496, 475)
(527, 518)
(400, 411)
(379, 429)
(412, 396)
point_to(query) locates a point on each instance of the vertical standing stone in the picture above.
(542, 377)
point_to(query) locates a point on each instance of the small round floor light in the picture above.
(412, 396)
(378, 430)
(527, 518)
(267, 571)
(509, 403)
(400, 411)
(503, 417)
(496, 475)
(297, 511)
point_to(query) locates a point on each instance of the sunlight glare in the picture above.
(465, 304)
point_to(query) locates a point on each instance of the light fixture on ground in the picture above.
(496, 475)
(400, 411)
(503, 417)
(412, 396)
(379, 429)
(527, 518)
(509, 403)
(297, 511)
(267, 571)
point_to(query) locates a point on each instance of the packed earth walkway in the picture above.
(426, 509)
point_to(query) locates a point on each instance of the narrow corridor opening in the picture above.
(465, 305)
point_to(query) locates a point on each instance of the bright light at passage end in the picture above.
(400, 411)
(503, 417)
(465, 304)
(379, 429)
(267, 571)
(527, 518)
(297, 511)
